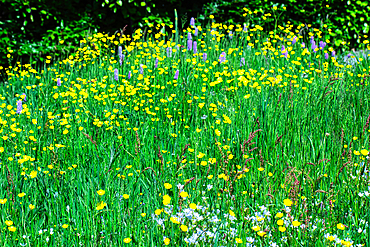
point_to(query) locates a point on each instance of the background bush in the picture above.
(33, 29)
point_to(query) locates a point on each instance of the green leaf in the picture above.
(148, 9)
(43, 12)
(142, 4)
(119, 2)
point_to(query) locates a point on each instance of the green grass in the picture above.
(269, 153)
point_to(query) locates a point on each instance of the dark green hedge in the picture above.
(32, 29)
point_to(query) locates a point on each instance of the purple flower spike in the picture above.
(196, 31)
(189, 36)
(322, 45)
(192, 21)
(25, 97)
(333, 53)
(326, 55)
(189, 44)
(169, 52)
(176, 75)
(204, 57)
(222, 57)
(59, 82)
(242, 61)
(195, 50)
(141, 69)
(116, 74)
(231, 34)
(245, 28)
(129, 75)
(120, 54)
(156, 63)
(294, 40)
(19, 106)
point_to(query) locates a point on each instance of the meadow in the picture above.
(218, 136)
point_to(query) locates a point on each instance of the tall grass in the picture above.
(262, 142)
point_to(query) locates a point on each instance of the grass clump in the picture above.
(231, 136)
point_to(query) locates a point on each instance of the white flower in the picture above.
(360, 194)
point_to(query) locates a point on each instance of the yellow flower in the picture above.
(127, 240)
(9, 222)
(166, 199)
(193, 206)
(167, 186)
(158, 211)
(65, 226)
(21, 194)
(184, 228)
(282, 229)
(355, 138)
(340, 226)
(280, 222)
(101, 192)
(256, 228)
(296, 223)
(230, 157)
(217, 132)
(288, 202)
(261, 169)
(364, 152)
(166, 241)
(126, 196)
(12, 228)
(3, 201)
(101, 205)
(261, 233)
(330, 238)
(33, 174)
(143, 214)
(31, 206)
(184, 194)
(211, 17)
(238, 240)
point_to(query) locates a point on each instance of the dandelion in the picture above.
(282, 229)
(59, 83)
(31, 206)
(340, 226)
(176, 75)
(116, 74)
(238, 240)
(184, 194)
(166, 241)
(9, 222)
(167, 186)
(12, 228)
(296, 223)
(21, 194)
(261, 233)
(19, 106)
(125, 196)
(166, 199)
(256, 228)
(3, 201)
(65, 226)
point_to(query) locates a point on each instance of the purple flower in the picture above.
(25, 97)
(129, 75)
(141, 69)
(242, 61)
(156, 63)
(116, 74)
(204, 57)
(120, 55)
(309, 64)
(222, 57)
(19, 106)
(59, 82)
(333, 53)
(195, 47)
(189, 44)
(169, 52)
(192, 21)
(176, 75)
(303, 45)
(322, 45)
(284, 52)
(326, 55)
(294, 40)
(230, 34)
(245, 28)
(189, 36)
(196, 31)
